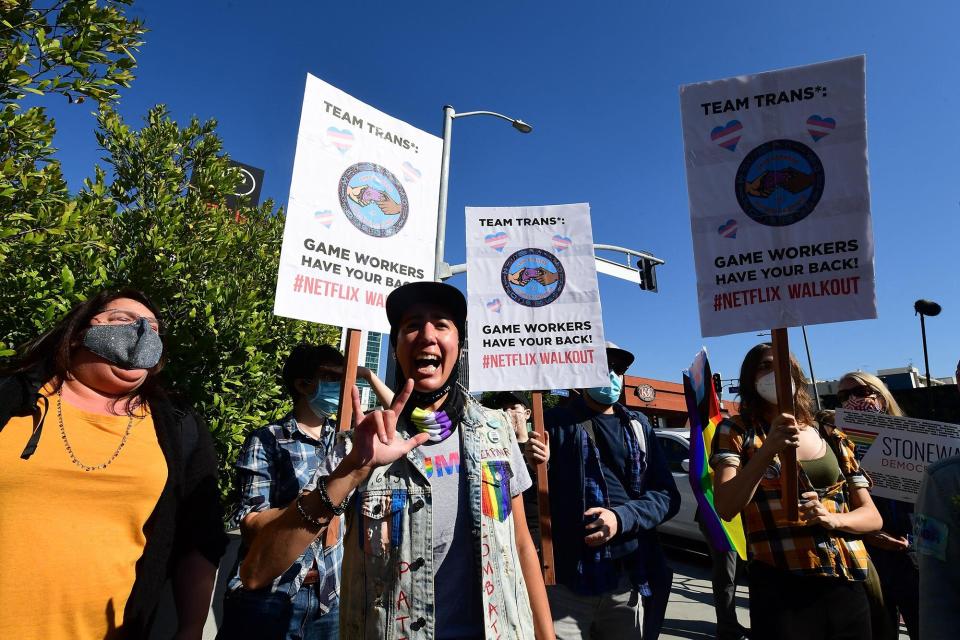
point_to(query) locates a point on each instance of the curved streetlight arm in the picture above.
(483, 113)
(643, 255)
(452, 270)
(441, 268)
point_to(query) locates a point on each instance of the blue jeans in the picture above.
(306, 622)
(272, 616)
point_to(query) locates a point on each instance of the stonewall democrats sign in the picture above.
(362, 215)
(532, 299)
(779, 200)
(896, 450)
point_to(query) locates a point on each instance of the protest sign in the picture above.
(779, 199)
(532, 299)
(895, 450)
(362, 215)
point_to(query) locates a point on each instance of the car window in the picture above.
(675, 451)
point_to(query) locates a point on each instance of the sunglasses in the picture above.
(856, 392)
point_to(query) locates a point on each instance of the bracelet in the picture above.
(306, 516)
(325, 498)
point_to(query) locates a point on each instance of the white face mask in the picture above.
(767, 387)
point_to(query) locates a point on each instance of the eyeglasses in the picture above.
(124, 316)
(856, 392)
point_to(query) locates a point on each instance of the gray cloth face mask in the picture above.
(129, 346)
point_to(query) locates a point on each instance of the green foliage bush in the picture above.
(151, 218)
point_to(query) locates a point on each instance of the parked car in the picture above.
(676, 446)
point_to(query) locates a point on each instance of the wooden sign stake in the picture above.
(543, 495)
(345, 410)
(788, 457)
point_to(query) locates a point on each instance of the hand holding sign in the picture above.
(813, 512)
(784, 433)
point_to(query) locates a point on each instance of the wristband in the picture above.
(306, 516)
(325, 498)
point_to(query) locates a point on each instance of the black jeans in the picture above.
(900, 580)
(784, 606)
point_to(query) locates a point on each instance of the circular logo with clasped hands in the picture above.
(373, 199)
(533, 277)
(779, 183)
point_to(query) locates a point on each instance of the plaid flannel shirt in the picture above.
(277, 461)
(773, 540)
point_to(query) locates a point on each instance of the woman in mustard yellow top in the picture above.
(105, 485)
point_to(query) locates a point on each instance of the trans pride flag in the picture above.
(703, 407)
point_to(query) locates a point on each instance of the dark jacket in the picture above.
(188, 515)
(657, 501)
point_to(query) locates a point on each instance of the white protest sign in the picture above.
(779, 199)
(532, 299)
(362, 216)
(895, 450)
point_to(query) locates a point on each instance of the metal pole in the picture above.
(816, 393)
(448, 114)
(926, 361)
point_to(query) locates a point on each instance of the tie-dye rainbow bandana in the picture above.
(496, 496)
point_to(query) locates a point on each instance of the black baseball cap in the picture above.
(626, 356)
(438, 294)
(507, 398)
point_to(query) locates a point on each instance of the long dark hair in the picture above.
(752, 405)
(51, 355)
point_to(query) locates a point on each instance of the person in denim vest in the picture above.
(610, 487)
(415, 565)
(276, 462)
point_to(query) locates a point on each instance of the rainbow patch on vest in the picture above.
(495, 498)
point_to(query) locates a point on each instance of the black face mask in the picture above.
(129, 346)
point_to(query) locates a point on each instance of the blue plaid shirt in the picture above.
(276, 462)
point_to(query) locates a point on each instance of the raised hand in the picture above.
(375, 439)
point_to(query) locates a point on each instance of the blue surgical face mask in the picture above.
(610, 394)
(325, 401)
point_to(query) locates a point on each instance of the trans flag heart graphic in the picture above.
(324, 217)
(494, 305)
(497, 240)
(819, 127)
(560, 243)
(728, 229)
(728, 135)
(342, 139)
(410, 172)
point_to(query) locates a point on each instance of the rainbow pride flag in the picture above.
(495, 499)
(703, 407)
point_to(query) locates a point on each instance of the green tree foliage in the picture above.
(151, 218)
(77, 49)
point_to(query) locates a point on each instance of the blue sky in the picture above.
(599, 82)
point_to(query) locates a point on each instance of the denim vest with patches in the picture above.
(387, 587)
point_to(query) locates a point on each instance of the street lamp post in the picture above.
(926, 308)
(816, 392)
(449, 115)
